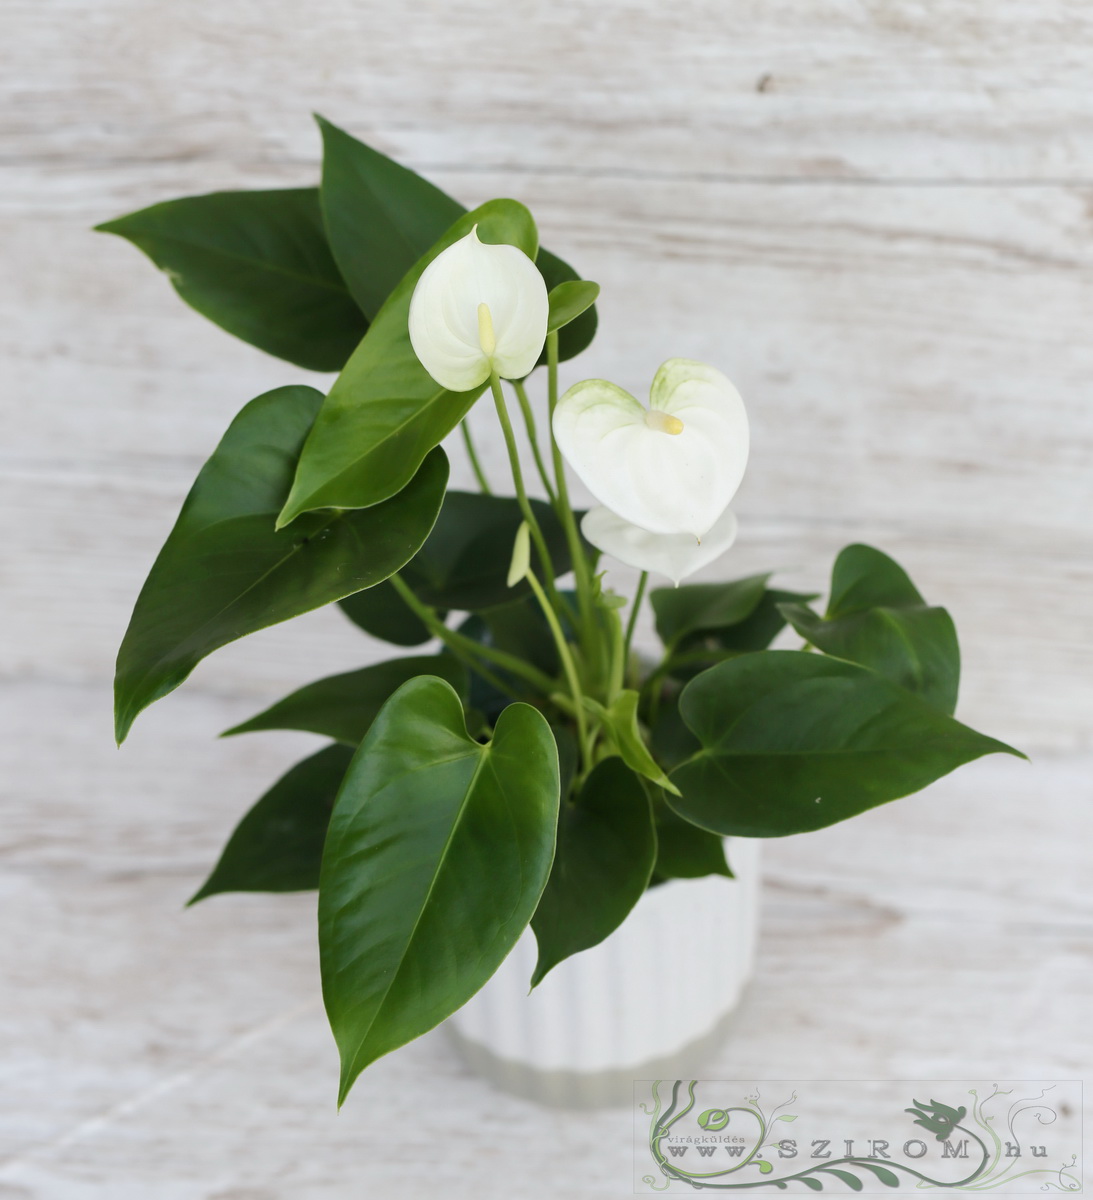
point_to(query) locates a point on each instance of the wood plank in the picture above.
(889, 89)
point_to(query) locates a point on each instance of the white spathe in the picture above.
(674, 555)
(671, 468)
(478, 307)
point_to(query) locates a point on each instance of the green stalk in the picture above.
(465, 648)
(521, 491)
(568, 666)
(533, 437)
(472, 454)
(581, 572)
(639, 595)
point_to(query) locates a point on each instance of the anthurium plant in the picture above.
(526, 766)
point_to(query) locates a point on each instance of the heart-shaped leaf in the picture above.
(278, 845)
(385, 412)
(877, 618)
(343, 707)
(793, 742)
(258, 264)
(224, 572)
(437, 854)
(606, 849)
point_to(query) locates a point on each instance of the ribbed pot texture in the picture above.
(652, 1000)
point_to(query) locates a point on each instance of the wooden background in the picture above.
(875, 216)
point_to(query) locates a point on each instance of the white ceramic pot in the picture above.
(651, 1001)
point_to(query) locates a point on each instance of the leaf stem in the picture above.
(569, 667)
(472, 454)
(466, 649)
(533, 437)
(521, 491)
(581, 572)
(639, 595)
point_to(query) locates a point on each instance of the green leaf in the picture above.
(605, 855)
(670, 739)
(578, 334)
(568, 300)
(464, 563)
(224, 572)
(385, 412)
(278, 845)
(697, 651)
(897, 634)
(621, 723)
(888, 1178)
(814, 1184)
(765, 1167)
(343, 707)
(684, 851)
(703, 606)
(383, 613)
(437, 854)
(258, 264)
(793, 742)
(865, 578)
(380, 216)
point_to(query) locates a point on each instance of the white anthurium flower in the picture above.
(670, 468)
(675, 555)
(478, 307)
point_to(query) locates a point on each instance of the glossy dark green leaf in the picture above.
(344, 706)
(278, 845)
(865, 578)
(698, 651)
(606, 849)
(224, 572)
(381, 218)
(577, 335)
(464, 564)
(696, 607)
(670, 739)
(437, 854)
(568, 300)
(877, 618)
(684, 851)
(385, 412)
(793, 742)
(382, 612)
(258, 264)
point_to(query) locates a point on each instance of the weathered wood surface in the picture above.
(875, 216)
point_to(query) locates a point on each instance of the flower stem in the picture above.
(569, 667)
(469, 651)
(521, 491)
(581, 573)
(533, 437)
(472, 454)
(639, 595)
